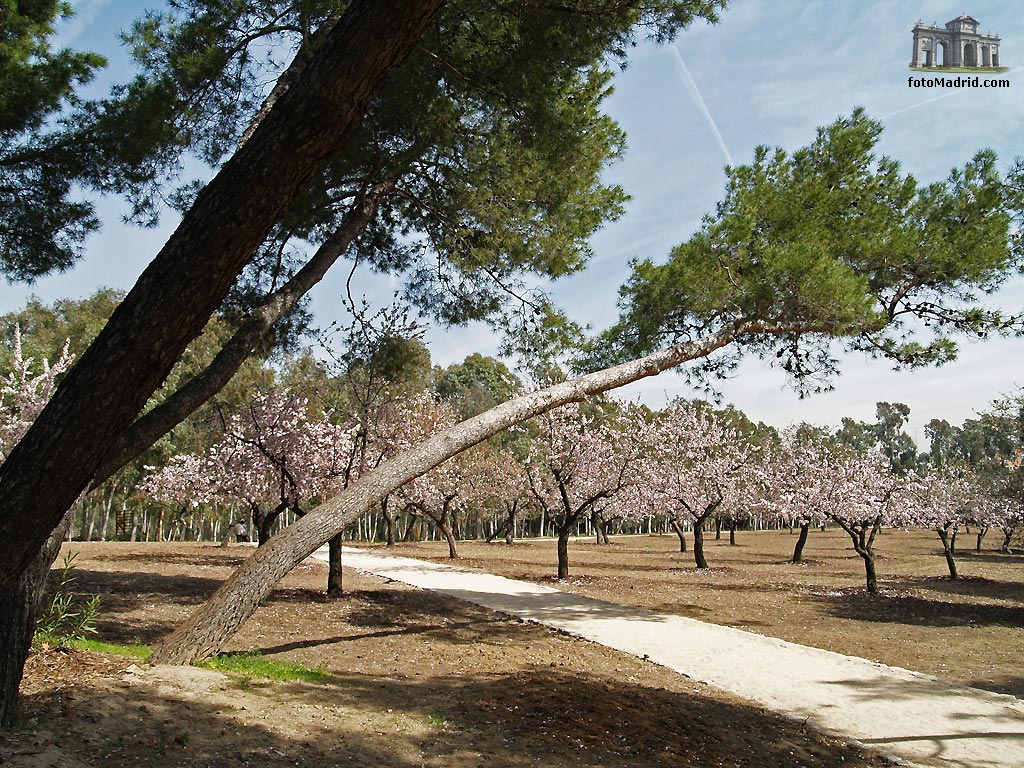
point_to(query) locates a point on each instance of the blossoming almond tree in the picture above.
(450, 487)
(697, 465)
(579, 459)
(273, 456)
(509, 489)
(794, 490)
(942, 500)
(862, 492)
(23, 394)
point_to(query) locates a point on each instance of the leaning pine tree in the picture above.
(460, 145)
(828, 243)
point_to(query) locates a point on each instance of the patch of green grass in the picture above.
(135, 650)
(253, 666)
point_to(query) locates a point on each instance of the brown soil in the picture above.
(414, 679)
(970, 631)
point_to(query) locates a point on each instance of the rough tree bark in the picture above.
(179, 291)
(187, 281)
(19, 606)
(203, 633)
(335, 576)
(698, 543)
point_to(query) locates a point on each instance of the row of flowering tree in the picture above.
(685, 464)
(810, 480)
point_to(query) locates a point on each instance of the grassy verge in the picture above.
(253, 666)
(247, 664)
(136, 650)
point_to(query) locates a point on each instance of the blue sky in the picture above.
(769, 73)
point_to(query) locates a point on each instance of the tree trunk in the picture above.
(982, 530)
(563, 552)
(187, 281)
(389, 519)
(698, 544)
(213, 623)
(1007, 537)
(446, 531)
(19, 608)
(334, 577)
(732, 533)
(678, 528)
(869, 570)
(947, 550)
(599, 527)
(718, 528)
(798, 550)
(952, 541)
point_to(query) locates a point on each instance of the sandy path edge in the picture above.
(908, 714)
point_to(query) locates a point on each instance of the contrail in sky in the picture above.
(945, 95)
(695, 92)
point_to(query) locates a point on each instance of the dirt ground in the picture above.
(969, 631)
(413, 679)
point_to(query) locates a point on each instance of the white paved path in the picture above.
(914, 716)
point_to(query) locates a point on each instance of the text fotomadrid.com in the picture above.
(957, 82)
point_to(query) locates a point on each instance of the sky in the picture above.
(769, 73)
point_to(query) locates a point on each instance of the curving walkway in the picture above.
(904, 713)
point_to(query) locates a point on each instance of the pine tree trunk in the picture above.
(206, 630)
(187, 281)
(798, 550)
(19, 608)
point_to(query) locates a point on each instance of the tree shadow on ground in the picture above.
(924, 693)
(216, 559)
(1008, 684)
(987, 557)
(918, 611)
(544, 717)
(971, 586)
